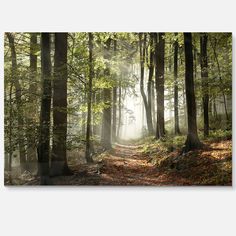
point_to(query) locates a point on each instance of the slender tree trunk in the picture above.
(142, 48)
(194, 60)
(220, 77)
(89, 89)
(214, 108)
(176, 96)
(31, 141)
(44, 136)
(149, 85)
(205, 86)
(114, 103)
(160, 67)
(97, 126)
(153, 106)
(119, 107)
(20, 120)
(106, 126)
(84, 117)
(192, 141)
(9, 164)
(59, 160)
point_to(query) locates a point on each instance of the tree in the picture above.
(114, 102)
(18, 96)
(44, 134)
(220, 76)
(89, 103)
(205, 85)
(176, 97)
(159, 72)
(192, 141)
(31, 139)
(106, 119)
(150, 83)
(59, 164)
(142, 52)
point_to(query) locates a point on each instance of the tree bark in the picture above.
(106, 124)
(159, 72)
(120, 108)
(176, 96)
(205, 85)
(44, 136)
(18, 94)
(221, 82)
(59, 159)
(114, 103)
(142, 48)
(31, 141)
(149, 85)
(89, 101)
(192, 141)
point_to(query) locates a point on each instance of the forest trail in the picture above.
(130, 165)
(123, 165)
(134, 165)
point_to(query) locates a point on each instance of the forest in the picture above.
(118, 108)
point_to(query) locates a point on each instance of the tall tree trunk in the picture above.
(205, 86)
(120, 108)
(8, 165)
(153, 106)
(89, 99)
(59, 160)
(97, 125)
(176, 96)
(149, 85)
(20, 120)
(142, 48)
(31, 141)
(159, 70)
(106, 124)
(192, 141)
(84, 117)
(220, 77)
(44, 135)
(214, 108)
(114, 103)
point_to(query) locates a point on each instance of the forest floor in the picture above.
(153, 163)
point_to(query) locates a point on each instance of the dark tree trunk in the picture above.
(18, 94)
(106, 123)
(149, 85)
(205, 88)
(142, 48)
(159, 72)
(44, 136)
(59, 160)
(176, 97)
(192, 141)
(89, 99)
(31, 141)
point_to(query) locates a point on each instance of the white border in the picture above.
(116, 210)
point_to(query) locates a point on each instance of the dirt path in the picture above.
(123, 165)
(130, 165)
